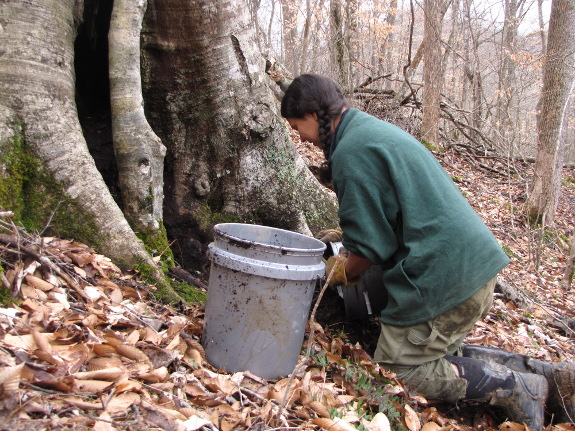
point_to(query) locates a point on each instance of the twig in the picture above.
(118, 424)
(8, 240)
(50, 218)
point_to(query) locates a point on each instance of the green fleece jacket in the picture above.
(400, 209)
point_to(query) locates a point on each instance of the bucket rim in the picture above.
(218, 229)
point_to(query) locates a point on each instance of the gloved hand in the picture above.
(330, 235)
(335, 266)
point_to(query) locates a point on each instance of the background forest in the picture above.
(488, 60)
(128, 128)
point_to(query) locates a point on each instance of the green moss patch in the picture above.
(36, 198)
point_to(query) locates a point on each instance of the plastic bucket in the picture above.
(260, 291)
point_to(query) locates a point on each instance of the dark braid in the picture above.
(309, 94)
(325, 138)
(324, 121)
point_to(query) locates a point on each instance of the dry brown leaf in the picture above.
(38, 283)
(103, 362)
(302, 412)
(195, 422)
(176, 344)
(319, 408)
(155, 376)
(104, 424)
(62, 384)
(42, 341)
(108, 374)
(335, 424)
(228, 424)
(430, 426)
(278, 391)
(335, 358)
(512, 426)
(10, 377)
(24, 341)
(221, 383)
(158, 357)
(175, 329)
(103, 349)
(196, 346)
(92, 320)
(131, 352)
(60, 300)
(342, 400)
(116, 296)
(107, 283)
(128, 385)
(194, 355)
(351, 417)
(319, 391)
(130, 292)
(131, 338)
(80, 271)
(151, 336)
(171, 413)
(196, 390)
(411, 419)
(81, 258)
(82, 403)
(380, 422)
(94, 293)
(32, 293)
(122, 402)
(75, 356)
(47, 357)
(92, 386)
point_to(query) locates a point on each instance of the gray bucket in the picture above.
(260, 291)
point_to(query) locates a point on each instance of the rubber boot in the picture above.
(560, 377)
(519, 396)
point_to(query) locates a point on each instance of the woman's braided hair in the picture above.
(309, 94)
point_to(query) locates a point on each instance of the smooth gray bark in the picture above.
(139, 151)
(229, 155)
(37, 83)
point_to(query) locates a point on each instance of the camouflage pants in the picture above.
(415, 353)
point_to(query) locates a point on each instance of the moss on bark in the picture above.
(37, 200)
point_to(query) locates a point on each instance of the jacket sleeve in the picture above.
(370, 219)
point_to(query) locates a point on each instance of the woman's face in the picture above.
(307, 127)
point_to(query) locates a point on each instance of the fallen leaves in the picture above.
(117, 359)
(85, 347)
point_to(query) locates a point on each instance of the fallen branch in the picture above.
(13, 242)
(522, 301)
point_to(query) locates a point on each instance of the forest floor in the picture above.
(85, 346)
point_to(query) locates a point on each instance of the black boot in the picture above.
(520, 397)
(560, 377)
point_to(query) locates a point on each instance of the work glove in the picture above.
(330, 235)
(335, 266)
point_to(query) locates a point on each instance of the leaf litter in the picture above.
(86, 346)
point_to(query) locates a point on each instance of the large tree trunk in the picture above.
(337, 45)
(432, 73)
(37, 77)
(229, 156)
(507, 88)
(290, 35)
(139, 152)
(558, 80)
